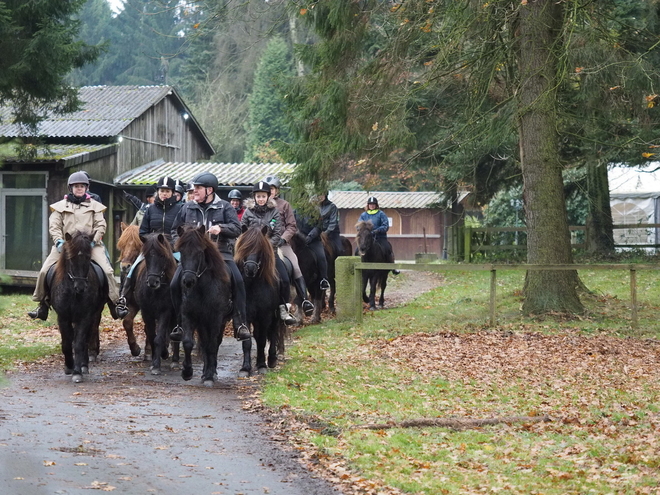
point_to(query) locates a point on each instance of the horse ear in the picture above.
(179, 230)
(244, 228)
(143, 239)
(161, 238)
(264, 229)
(123, 226)
(201, 229)
(67, 236)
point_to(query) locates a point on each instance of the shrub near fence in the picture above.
(349, 270)
(494, 240)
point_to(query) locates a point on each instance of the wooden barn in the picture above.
(419, 221)
(119, 128)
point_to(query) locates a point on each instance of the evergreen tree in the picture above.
(266, 119)
(39, 48)
(96, 29)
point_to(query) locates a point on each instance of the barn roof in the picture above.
(106, 112)
(358, 199)
(232, 174)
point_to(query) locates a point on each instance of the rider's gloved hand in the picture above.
(58, 245)
(309, 239)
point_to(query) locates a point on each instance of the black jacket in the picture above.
(219, 212)
(160, 217)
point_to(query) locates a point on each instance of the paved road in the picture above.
(126, 431)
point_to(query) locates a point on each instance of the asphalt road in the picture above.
(127, 431)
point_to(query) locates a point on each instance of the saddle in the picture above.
(97, 269)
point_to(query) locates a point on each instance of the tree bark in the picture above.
(600, 235)
(548, 237)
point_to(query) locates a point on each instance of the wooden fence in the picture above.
(472, 245)
(349, 273)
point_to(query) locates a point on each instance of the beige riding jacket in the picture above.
(67, 217)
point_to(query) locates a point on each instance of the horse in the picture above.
(331, 256)
(129, 245)
(309, 268)
(78, 294)
(255, 259)
(152, 295)
(203, 298)
(371, 252)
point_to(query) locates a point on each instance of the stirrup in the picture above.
(243, 332)
(40, 312)
(396, 272)
(307, 307)
(325, 285)
(176, 334)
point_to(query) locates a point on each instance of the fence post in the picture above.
(493, 290)
(633, 296)
(345, 275)
(467, 240)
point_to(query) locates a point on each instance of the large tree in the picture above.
(39, 48)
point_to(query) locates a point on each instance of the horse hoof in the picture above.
(186, 374)
(272, 362)
(244, 374)
(372, 308)
(155, 371)
(175, 366)
(262, 371)
(135, 350)
(92, 358)
(208, 383)
(85, 370)
(76, 378)
(68, 371)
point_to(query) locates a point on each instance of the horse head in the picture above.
(364, 238)
(129, 245)
(254, 254)
(159, 260)
(76, 259)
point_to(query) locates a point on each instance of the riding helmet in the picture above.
(235, 194)
(206, 179)
(166, 183)
(273, 181)
(179, 187)
(151, 191)
(372, 199)
(261, 186)
(78, 178)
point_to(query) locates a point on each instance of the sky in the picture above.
(115, 5)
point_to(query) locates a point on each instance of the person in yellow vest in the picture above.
(77, 211)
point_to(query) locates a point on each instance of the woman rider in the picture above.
(262, 210)
(236, 200)
(381, 225)
(290, 229)
(158, 218)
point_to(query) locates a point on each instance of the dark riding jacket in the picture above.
(264, 215)
(330, 217)
(160, 217)
(379, 220)
(218, 212)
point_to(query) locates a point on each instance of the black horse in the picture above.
(331, 256)
(77, 294)
(205, 298)
(152, 295)
(372, 251)
(255, 259)
(309, 268)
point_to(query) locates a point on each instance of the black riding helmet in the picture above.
(235, 194)
(166, 183)
(261, 186)
(179, 187)
(372, 199)
(206, 179)
(151, 191)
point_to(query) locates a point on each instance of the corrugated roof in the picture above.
(231, 174)
(358, 199)
(64, 152)
(106, 111)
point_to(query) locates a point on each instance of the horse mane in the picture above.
(80, 241)
(363, 225)
(191, 239)
(252, 241)
(129, 243)
(161, 245)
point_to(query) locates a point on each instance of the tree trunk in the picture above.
(600, 235)
(548, 237)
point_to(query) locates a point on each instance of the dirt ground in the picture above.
(128, 431)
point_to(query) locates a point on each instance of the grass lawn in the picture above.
(596, 379)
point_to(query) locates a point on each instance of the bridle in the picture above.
(197, 273)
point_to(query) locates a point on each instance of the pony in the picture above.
(152, 295)
(129, 245)
(371, 252)
(309, 268)
(78, 294)
(255, 259)
(203, 298)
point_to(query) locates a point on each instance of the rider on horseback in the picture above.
(77, 211)
(236, 200)
(221, 222)
(381, 225)
(290, 229)
(262, 210)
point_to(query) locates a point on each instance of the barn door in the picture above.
(23, 229)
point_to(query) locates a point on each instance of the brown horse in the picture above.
(129, 245)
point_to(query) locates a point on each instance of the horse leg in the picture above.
(372, 292)
(176, 348)
(365, 279)
(260, 336)
(383, 285)
(246, 369)
(210, 353)
(187, 341)
(273, 344)
(81, 332)
(318, 306)
(66, 332)
(127, 323)
(94, 343)
(152, 331)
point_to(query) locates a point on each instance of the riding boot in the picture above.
(287, 317)
(241, 330)
(112, 306)
(301, 290)
(121, 308)
(40, 311)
